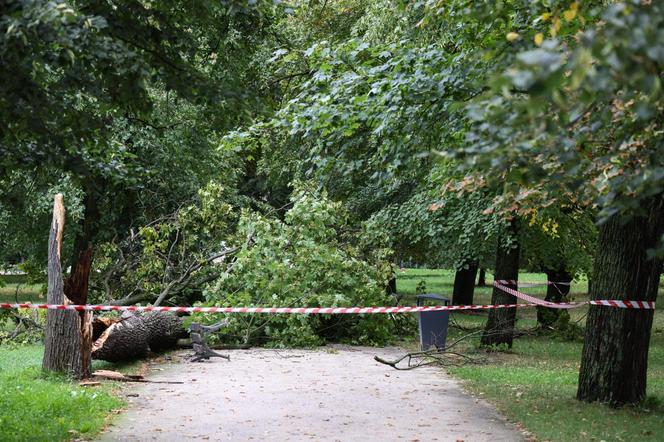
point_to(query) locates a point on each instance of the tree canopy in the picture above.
(254, 152)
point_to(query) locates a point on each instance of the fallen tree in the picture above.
(132, 336)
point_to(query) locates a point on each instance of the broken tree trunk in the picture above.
(68, 333)
(133, 336)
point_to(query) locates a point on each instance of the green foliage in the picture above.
(382, 107)
(173, 256)
(121, 105)
(581, 116)
(306, 260)
(560, 238)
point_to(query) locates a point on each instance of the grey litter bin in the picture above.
(433, 325)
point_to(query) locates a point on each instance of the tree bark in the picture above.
(554, 293)
(615, 352)
(66, 332)
(464, 284)
(500, 325)
(481, 281)
(133, 336)
(391, 288)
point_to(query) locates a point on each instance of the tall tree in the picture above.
(583, 117)
(114, 98)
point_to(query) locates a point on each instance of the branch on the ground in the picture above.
(24, 325)
(447, 357)
(117, 376)
(442, 358)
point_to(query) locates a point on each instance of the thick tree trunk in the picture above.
(132, 336)
(464, 284)
(500, 325)
(391, 288)
(554, 293)
(67, 333)
(615, 351)
(481, 280)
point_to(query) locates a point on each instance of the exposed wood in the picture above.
(76, 290)
(134, 335)
(101, 323)
(614, 361)
(122, 341)
(63, 342)
(76, 286)
(117, 376)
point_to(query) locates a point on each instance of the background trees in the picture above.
(463, 133)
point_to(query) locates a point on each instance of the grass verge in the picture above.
(15, 288)
(535, 382)
(36, 406)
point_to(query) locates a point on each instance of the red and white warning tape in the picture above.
(529, 284)
(332, 310)
(616, 303)
(274, 310)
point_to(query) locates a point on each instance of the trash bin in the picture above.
(433, 325)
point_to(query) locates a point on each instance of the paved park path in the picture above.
(331, 394)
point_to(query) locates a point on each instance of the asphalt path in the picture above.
(330, 394)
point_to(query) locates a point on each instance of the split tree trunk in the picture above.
(615, 352)
(68, 334)
(500, 325)
(554, 293)
(464, 284)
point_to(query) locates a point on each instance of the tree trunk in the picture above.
(132, 336)
(391, 288)
(67, 333)
(464, 284)
(481, 281)
(554, 293)
(615, 352)
(500, 325)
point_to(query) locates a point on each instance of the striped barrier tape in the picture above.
(273, 310)
(330, 310)
(616, 303)
(530, 284)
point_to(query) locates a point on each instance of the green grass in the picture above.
(15, 288)
(535, 383)
(441, 281)
(39, 407)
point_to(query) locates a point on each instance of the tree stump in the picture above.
(68, 334)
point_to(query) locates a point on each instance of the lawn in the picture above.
(15, 288)
(535, 382)
(39, 407)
